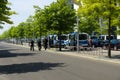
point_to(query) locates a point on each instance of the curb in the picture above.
(75, 54)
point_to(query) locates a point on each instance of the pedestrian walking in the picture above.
(45, 43)
(39, 44)
(32, 45)
(90, 43)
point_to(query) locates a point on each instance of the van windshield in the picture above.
(83, 36)
(111, 37)
(93, 37)
(106, 37)
(62, 37)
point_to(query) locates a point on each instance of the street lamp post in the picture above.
(77, 34)
(77, 7)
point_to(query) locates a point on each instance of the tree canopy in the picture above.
(55, 18)
(107, 10)
(94, 10)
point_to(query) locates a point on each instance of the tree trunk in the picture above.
(60, 48)
(109, 33)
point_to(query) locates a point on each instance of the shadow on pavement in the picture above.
(115, 57)
(28, 67)
(6, 53)
(63, 50)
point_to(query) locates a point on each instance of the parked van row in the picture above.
(103, 41)
(76, 40)
(82, 40)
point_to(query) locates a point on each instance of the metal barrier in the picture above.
(94, 51)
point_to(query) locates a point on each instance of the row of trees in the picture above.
(60, 18)
(92, 12)
(57, 18)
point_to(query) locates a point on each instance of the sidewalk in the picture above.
(94, 54)
(100, 55)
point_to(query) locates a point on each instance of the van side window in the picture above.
(103, 38)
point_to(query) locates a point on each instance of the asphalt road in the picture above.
(18, 63)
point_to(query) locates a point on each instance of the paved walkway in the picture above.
(99, 54)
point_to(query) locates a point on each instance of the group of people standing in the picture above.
(39, 44)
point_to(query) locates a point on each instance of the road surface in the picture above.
(19, 63)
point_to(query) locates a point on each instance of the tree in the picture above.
(107, 9)
(21, 28)
(13, 33)
(29, 28)
(60, 17)
(39, 21)
(5, 13)
(4, 36)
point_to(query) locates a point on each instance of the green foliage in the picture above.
(5, 13)
(39, 21)
(4, 35)
(88, 25)
(60, 17)
(28, 30)
(13, 32)
(21, 28)
(93, 10)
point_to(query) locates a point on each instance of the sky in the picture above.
(24, 8)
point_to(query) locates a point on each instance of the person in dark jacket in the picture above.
(45, 43)
(32, 45)
(39, 44)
